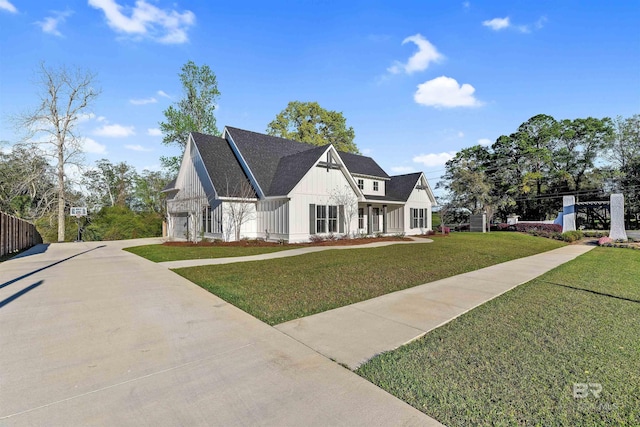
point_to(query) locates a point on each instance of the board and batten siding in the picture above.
(273, 219)
(192, 195)
(316, 188)
(395, 219)
(419, 199)
(368, 186)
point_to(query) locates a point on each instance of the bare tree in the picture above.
(240, 208)
(65, 95)
(345, 197)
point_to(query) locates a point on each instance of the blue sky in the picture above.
(417, 80)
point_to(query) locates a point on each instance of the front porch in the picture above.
(384, 218)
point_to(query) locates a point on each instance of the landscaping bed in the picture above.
(282, 289)
(563, 349)
(177, 251)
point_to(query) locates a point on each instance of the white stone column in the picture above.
(617, 231)
(568, 213)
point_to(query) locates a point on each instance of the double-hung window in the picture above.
(361, 218)
(206, 219)
(421, 216)
(361, 184)
(333, 219)
(376, 185)
(321, 218)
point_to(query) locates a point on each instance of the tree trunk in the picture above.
(61, 198)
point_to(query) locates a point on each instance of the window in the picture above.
(361, 184)
(206, 219)
(321, 218)
(360, 218)
(333, 219)
(375, 186)
(414, 218)
(418, 218)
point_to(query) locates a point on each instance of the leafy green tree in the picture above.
(309, 122)
(110, 184)
(625, 155)
(194, 112)
(148, 196)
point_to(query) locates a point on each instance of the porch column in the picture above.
(384, 219)
(369, 219)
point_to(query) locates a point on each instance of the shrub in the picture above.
(572, 236)
(525, 227)
(443, 229)
(316, 238)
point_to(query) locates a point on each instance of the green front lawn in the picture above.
(288, 288)
(515, 359)
(162, 253)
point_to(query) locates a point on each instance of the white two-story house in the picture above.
(250, 185)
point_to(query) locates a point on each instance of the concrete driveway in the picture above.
(92, 335)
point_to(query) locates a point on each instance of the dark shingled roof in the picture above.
(170, 186)
(362, 165)
(278, 164)
(292, 168)
(222, 165)
(401, 186)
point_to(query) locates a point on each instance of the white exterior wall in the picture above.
(248, 229)
(419, 199)
(273, 219)
(191, 196)
(316, 187)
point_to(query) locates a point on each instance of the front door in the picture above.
(375, 219)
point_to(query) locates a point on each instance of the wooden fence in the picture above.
(16, 234)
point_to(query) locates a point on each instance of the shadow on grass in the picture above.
(592, 292)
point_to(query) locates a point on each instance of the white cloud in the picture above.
(497, 24)
(143, 101)
(460, 134)
(485, 142)
(445, 92)
(163, 94)
(420, 60)
(402, 169)
(6, 5)
(466, 5)
(115, 131)
(86, 117)
(366, 151)
(146, 20)
(154, 132)
(137, 147)
(91, 146)
(434, 159)
(50, 23)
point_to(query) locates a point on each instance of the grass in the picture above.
(279, 290)
(162, 253)
(515, 359)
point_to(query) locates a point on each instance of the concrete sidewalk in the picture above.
(353, 334)
(93, 335)
(286, 253)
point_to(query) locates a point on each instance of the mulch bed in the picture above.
(262, 243)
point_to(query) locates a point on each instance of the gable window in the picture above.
(375, 185)
(321, 218)
(361, 184)
(360, 218)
